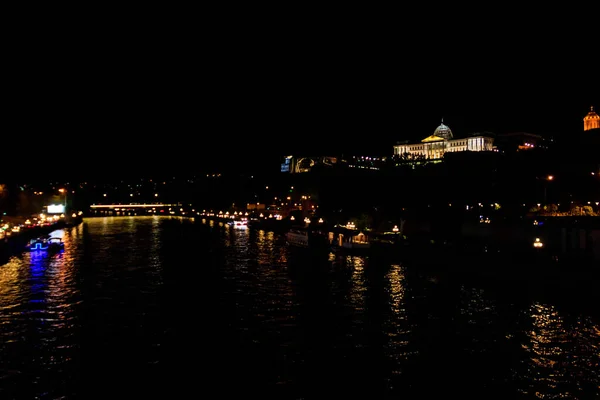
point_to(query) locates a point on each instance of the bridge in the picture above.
(134, 205)
(140, 209)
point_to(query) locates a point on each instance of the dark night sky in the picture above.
(205, 95)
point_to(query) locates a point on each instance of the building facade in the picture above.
(442, 141)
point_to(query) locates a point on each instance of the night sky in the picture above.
(188, 98)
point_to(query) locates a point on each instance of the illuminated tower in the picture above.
(591, 120)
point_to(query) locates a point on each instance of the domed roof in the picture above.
(443, 131)
(591, 115)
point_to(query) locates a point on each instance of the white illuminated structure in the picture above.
(442, 141)
(134, 205)
(56, 209)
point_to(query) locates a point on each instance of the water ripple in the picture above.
(150, 305)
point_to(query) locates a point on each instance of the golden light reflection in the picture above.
(397, 328)
(331, 256)
(563, 357)
(359, 287)
(154, 250)
(396, 279)
(11, 276)
(265, 243)
(227, 234)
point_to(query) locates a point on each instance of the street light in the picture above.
(549, 178)
(64, 192)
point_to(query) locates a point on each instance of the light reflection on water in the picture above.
(562, 354)
(397, 326)
(40, 321)
(139, 301)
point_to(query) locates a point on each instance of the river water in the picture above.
(166, 307)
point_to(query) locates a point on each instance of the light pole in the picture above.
(64, 192)
(548, 179)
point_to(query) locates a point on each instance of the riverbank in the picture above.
(564, 240)
(15, 243)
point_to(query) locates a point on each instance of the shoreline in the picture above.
(15, 243)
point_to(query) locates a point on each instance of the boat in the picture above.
(298, 237)
(355, 242)
(305, 237)
(45, 243)
(242, 224)
(239, 223)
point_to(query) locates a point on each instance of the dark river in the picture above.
(170, 308)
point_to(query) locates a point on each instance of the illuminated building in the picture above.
(442, 141)
(591, 120)
(521, 141)
(287, 164)
(294, 165)
(365, 162)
